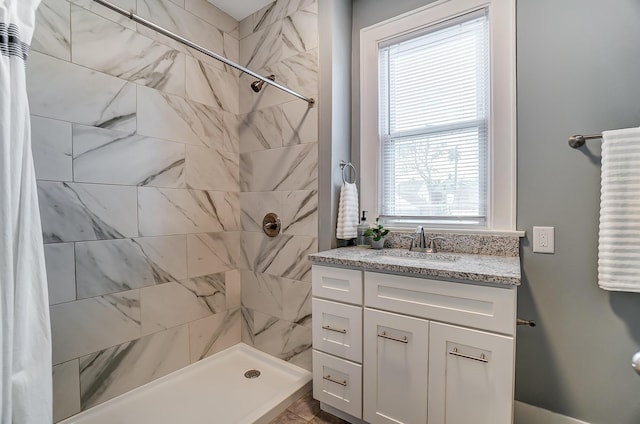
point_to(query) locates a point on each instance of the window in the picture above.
(440, 126)
(433, 94)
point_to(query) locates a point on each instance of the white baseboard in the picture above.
(529, 414)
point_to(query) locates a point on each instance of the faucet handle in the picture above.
(420, 241)
(432, 243)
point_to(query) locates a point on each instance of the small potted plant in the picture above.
(377, 234)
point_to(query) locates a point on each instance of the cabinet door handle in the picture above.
(337, 330)
(384, 336)
(455, 352)
(342, 383)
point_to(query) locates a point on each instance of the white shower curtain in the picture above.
(25, 335)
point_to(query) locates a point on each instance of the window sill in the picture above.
(440, 230)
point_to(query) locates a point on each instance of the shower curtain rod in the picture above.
(199, 48)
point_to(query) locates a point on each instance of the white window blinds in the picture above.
(433, 124)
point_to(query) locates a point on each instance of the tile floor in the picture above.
(306, 410)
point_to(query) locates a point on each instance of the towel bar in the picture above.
(526, 322)
(577, 140)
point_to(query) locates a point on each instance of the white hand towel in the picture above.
(619, 237)
(347, 226)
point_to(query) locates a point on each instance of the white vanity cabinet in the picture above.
(337, 338)
(433, 351)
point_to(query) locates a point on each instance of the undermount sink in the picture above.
(399, 253)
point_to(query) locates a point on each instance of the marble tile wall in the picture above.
(155, 166)
(137, 152)
(279, 173)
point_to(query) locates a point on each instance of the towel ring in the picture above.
(348, 166)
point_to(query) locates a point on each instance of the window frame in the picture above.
(501, 149)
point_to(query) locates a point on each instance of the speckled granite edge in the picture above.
(474, 244)
(468, 267)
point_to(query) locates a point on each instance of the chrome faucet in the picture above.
(432, 244)
(418, 241)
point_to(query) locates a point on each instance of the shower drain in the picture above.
(252, 374)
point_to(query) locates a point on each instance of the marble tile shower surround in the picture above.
(279, 256)
(278, 126)
(155, 165)
(176, 19)
(297, 210)
(285, 37)
(185, 121)
(285, 340)
(108, 102)
(279, 173)
(88, 325)
(79, 212)
(107, 13)
(96, 377)
(136, 148)
(66, 395)
(290, 168)
(274, 12)
(299, 72)
(116, 265)
(60, 262)
(213, 252)
(52, 149)
(145, 161)
(147, 62)
(165, 211)
(55, 21)
(278, 297)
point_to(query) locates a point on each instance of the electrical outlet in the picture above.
(543, 239)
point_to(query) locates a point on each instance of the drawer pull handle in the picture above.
(384, 336)
(337, 330)
(342, 383)
(455, 352)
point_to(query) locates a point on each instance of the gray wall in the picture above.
(578, 66)
(574, 79)
(334, 19)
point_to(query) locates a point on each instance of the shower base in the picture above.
(213, 390)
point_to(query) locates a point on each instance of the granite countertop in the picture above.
(456, 266)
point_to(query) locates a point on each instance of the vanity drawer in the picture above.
(343, 285)
(338, 383)
(337, 329)
(482, 307)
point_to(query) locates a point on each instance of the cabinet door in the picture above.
(395, 368)
(471, 375)
(337, 329)
(337, 383)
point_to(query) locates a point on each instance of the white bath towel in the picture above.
(347, 226)
(619, 237)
